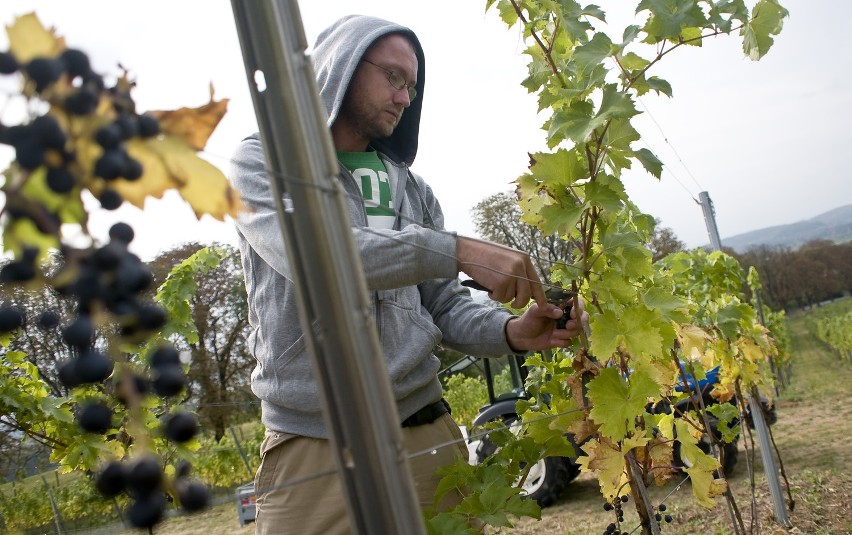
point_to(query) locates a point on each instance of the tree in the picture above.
(219, 362)
(498, 218)
(664, 242)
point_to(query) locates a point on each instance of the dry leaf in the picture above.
(194, 125)
(29, 39)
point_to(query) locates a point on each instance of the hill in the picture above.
(834, 225)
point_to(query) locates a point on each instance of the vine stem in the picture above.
(640, 496)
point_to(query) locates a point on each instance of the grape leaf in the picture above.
(200, 183)
(616, 403)
(705, 487)
(29, 39)
(194, 125)
(767, 19)
(559, 169)
(649, 161)
(607, 462)
(669, 18)
(693, 340)
(662, 458)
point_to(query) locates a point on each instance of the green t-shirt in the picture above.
(372, 176)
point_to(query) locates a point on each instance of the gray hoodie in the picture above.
(410, 270)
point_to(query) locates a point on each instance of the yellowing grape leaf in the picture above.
(155, 179)
(193, 125)
(607, 462)
(705, 487)
(693, 340)
(29, 39)
(199, 182)
(662, 459)
(689, 448)
(616, 404)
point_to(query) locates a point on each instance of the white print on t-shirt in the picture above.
(375, 187)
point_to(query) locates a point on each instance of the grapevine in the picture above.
(84, 136)
(645, 317)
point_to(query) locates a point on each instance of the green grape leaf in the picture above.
(633, 62)
(577, 122)
(767, 19)
(559, 218)
(559, 169)
(669, 18)
(592, 53)
(606, 194)
(571, 17)
(659, 85)
(617, 403)
(650, 162)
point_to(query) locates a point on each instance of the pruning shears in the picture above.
(555, 295)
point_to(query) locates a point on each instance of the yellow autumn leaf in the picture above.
(705, 487)
(607, 462)
(199, 182)
(155, 179)
(193, 125)
(29, 39)
(750, 350)
(689, 448)
(661, 453)
(693, 340)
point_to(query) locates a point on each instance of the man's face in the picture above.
(373, 107)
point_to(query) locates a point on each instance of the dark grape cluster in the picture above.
(615, 506)
(43, 142)
(661, 516)
(106, 284)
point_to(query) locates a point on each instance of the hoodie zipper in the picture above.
(352, 181)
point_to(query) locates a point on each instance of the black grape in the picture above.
(121, 232)
(82, 102)
(194, 496)
(11, 318)
(145, 477)
(165, 355)
(95, 418)
(60, 179)
(76, 62)
(169, 381)
(94, 367)
(8, 63)
(110, 199)
(44, 72)
(112, 479)
(180, 427)
(148, 126)
(79, 333)
(146, 511)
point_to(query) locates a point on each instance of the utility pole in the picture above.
(334, 308)
(710, 220)
(753, 397)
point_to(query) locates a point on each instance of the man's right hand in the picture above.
(507, 272)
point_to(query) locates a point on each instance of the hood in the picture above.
(336, 55)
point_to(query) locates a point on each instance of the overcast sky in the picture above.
(766, 139)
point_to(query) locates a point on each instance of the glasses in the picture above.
(396, 80)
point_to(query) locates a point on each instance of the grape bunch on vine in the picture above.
(82, 135)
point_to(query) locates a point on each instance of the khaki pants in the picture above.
(316, 506)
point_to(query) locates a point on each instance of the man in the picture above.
(371, 77)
